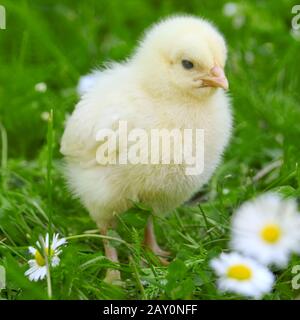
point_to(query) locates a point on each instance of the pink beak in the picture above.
(217, 78)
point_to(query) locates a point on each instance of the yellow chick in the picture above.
(174, 79)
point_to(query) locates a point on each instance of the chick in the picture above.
(174, 79)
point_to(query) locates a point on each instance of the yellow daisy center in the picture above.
(40, 260)
(239, 272)
(271, 233)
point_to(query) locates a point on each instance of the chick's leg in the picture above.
(151, 243)
(112, 276)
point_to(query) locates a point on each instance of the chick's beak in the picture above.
(216, 79)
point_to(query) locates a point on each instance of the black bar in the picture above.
(143, 309)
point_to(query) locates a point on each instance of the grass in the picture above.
(57, 41)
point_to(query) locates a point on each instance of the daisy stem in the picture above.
(50, 200)
(46, 257)
(49, 172)
(49, 284)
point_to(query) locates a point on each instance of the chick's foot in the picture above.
(112, 276)
(151, 243)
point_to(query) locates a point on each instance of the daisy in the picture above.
(38, 267)
(267, 229)
(242, 275)
(41, 87)
(230, 9)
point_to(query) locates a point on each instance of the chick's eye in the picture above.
(187, 64)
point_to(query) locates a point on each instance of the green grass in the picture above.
(57, 41)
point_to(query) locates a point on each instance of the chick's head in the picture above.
(184, 55)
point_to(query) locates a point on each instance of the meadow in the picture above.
(46, 47)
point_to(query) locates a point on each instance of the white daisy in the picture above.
(267, 229)
(41, 87)
(38, 267)
(230, 9)
(242, 275)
